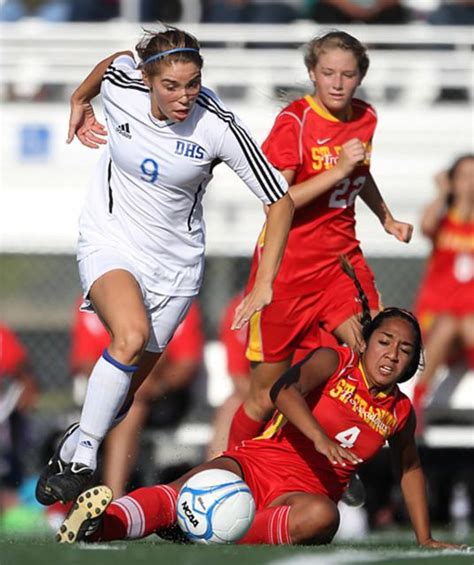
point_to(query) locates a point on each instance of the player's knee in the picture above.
(259, 405)
(128, 345)
(467, 330)
(315, 524)
(447, 327)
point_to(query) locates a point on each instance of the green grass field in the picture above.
(386, 549)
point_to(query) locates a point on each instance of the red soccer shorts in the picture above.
(295, 323)
(271, 473)
(433, 301)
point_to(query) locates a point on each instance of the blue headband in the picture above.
(169, 52)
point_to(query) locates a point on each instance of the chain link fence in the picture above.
(39, 293)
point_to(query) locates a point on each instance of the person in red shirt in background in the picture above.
(445, 303)
(176, 369)
(238, 368)
(18, 395)
(322, 145)
(14, 364)
(89, 338)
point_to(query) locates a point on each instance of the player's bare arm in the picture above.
(370, 194)
(352, 153)
(288, 396)
(434, 212)
(413, 484)
(82, 120)
(279, 219)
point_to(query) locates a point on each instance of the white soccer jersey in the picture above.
(146, 195)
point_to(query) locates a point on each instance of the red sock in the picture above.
(419, 398)
(419, 393)
(138, 514)
(243, 427)
(270, 526)
(469, 352)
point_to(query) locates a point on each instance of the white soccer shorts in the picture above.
(164, 312)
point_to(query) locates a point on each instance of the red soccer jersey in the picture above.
(448, 285)
(234, 341)
(307, 139)
(348, 414)
(12, 352)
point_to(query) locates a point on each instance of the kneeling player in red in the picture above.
(335, 409)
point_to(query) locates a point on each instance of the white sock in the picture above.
(68, 448)
(106, 391)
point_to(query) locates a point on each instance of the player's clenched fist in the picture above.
(352, 153)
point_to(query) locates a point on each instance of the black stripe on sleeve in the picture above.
(123, 75)
(250, 162)
(254, 155)
(113, 81)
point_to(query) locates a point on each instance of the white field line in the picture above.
(101, 546)
(348, 556)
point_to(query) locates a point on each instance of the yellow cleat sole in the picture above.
(90, 504)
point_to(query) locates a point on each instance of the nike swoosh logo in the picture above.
(321, 141)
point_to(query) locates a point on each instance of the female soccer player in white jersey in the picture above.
(141, 233)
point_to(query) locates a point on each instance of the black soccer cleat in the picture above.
(85, 516)
(173, 534)
(55, 465)
(354, 495)
(69, 484)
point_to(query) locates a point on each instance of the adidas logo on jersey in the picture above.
(124, 129)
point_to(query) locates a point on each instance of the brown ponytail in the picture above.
(349, 270)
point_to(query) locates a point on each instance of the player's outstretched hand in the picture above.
(435, 544)
(83, 124)
(336, 454)
(256, 299)
(401, 230)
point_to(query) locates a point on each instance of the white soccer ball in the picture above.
(215, 506)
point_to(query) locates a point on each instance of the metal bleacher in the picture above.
(415, 60)
(250, 67)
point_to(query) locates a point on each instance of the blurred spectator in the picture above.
(252, 11)
(89, 338)
(103, 10)
(164, 10)
(445, 304)
(351, 11)
(453, 12)
(18, 395)
(162, 400)
(94, 10)
(49, 10)
(238, 368)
